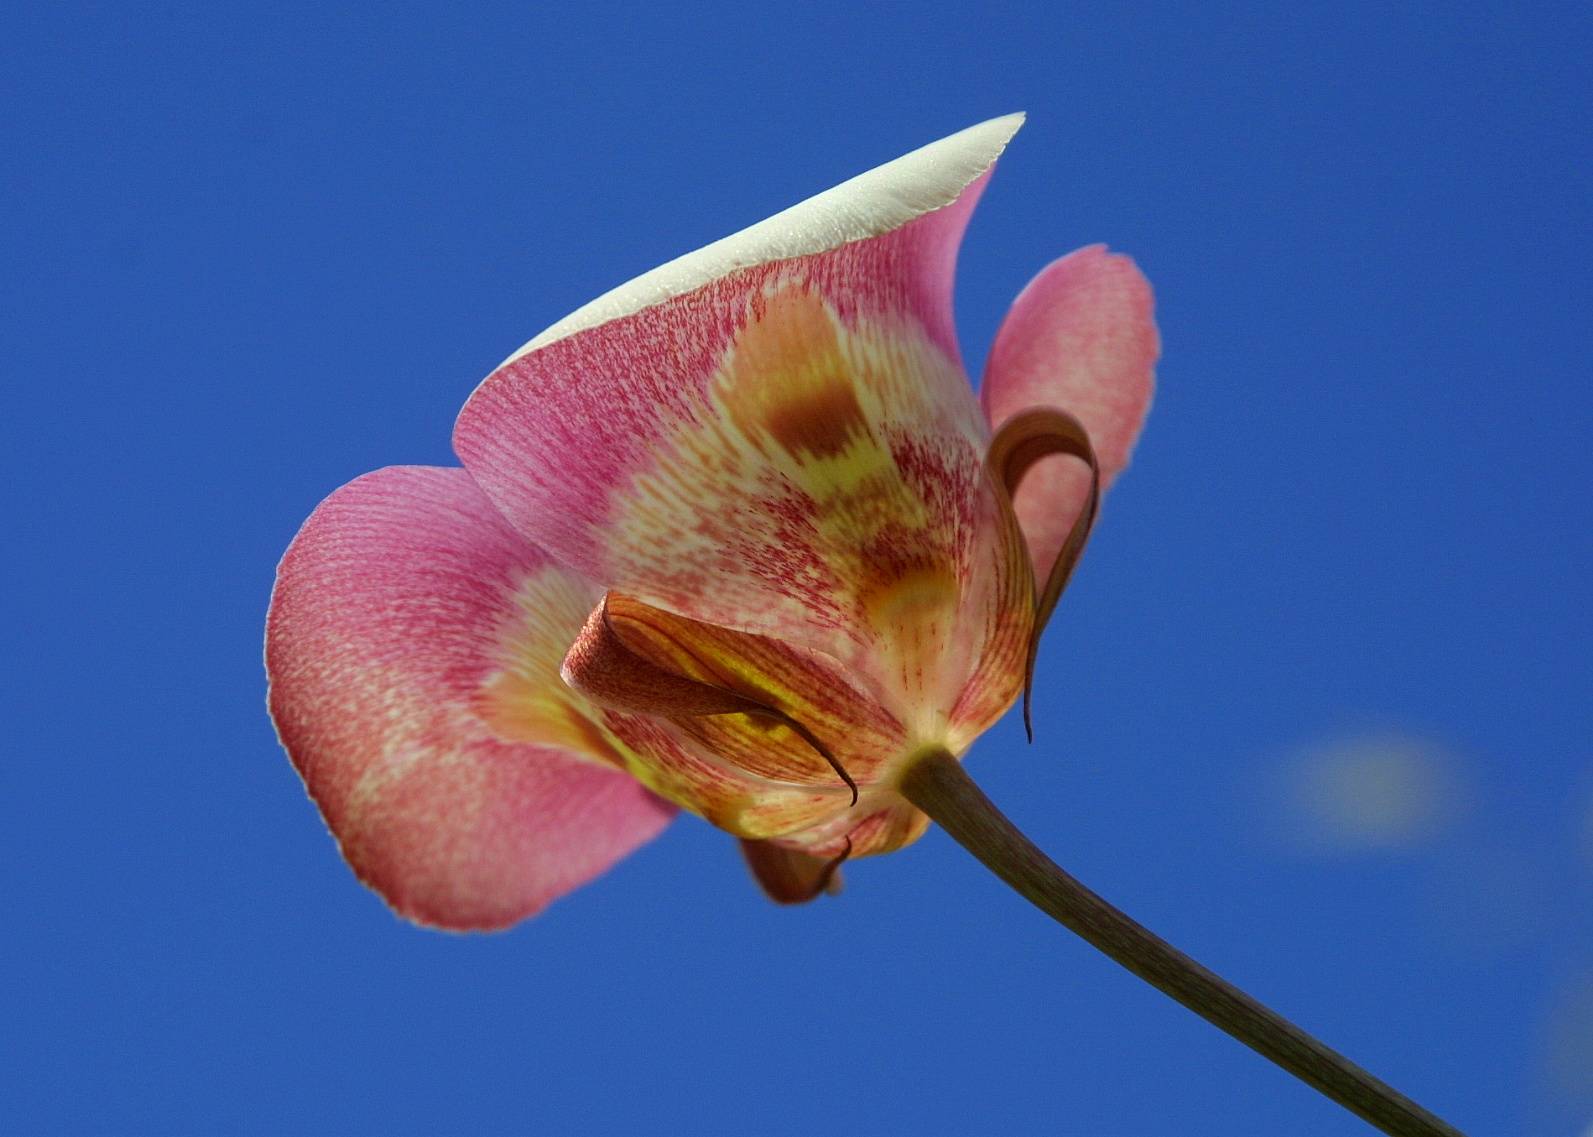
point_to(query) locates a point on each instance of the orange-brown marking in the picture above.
(790, 381)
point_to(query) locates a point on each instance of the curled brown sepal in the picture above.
(602, 666)
(790, 876)
(1022, 441)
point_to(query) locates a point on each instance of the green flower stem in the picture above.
(937, 784)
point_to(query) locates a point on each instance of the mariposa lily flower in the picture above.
(738, 538)
(751, 508)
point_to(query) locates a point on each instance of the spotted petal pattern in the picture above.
(791, 449)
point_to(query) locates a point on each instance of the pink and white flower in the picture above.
(736, 537)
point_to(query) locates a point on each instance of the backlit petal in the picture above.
(881, 201)
(753, 734)
(762, 738)
(413, 645)
(676, 766)
(775, 435)
(756, 702)
(1080, 338)
(882, 824)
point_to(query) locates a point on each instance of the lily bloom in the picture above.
(737, 537)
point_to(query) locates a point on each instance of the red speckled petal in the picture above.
(1080, 338)
(755, 703)
(413, 647)
(882, 825)
(775, 435)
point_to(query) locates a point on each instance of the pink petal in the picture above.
(412, 645)
(1080, 338)
(608, 439)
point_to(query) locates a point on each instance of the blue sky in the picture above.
(1316, 707)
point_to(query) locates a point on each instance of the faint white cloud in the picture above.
(1366, 792)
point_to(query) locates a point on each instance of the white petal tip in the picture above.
(885, 198)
